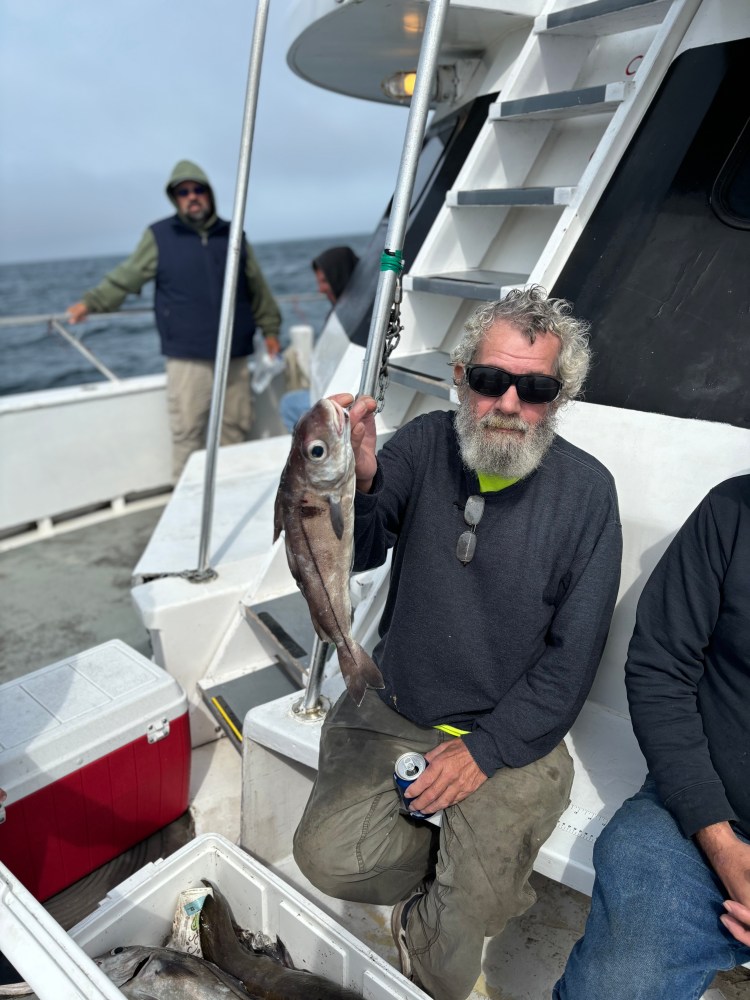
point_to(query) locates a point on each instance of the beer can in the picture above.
(407, 769)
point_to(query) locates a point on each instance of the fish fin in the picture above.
(337, 516)
(291, 560)
(356, 688)
(359, 671)
(278, 516)
(283, 954)
(320, 631)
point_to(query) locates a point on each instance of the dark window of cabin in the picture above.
(663, 277)
(730, 198)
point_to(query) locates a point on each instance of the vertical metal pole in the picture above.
(229, 294)
(312, 707)
(394, 242)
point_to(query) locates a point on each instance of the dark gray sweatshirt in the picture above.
(688, 670)
(508, 645)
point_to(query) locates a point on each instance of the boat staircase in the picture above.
(568, 107)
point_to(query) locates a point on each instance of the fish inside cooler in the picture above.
(162, 904)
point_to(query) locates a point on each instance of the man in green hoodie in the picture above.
(186, 255)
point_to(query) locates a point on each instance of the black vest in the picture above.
(189, 283)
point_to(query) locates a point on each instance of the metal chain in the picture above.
(392, 337)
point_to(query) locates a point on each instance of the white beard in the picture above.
(506, 455)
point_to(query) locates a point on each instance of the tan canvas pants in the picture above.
(189, 388)
(355, 843)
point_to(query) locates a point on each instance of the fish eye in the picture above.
(118, 950)
(317, 450)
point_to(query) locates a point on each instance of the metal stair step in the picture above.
(486, 286)
(510, 197)
(428, 372)
(603, 98)
(603, 17)
(230, 701)
(285, 623)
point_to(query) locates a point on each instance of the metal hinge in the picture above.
(158, 730)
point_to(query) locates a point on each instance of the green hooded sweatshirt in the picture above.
(129, 277)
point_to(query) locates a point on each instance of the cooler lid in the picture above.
(61, 717)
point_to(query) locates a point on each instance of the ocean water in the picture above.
(33, 357)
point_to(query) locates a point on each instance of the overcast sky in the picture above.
(98, 101)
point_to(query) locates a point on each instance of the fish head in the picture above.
(322, 438)
(121, 964)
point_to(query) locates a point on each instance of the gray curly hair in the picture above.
(531, 312)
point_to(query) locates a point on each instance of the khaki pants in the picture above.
(353, 842)
(189, 389)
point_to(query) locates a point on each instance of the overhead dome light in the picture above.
(400, 86)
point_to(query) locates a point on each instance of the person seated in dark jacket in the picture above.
(506, 562)
(671, 900)
(186, 255)
(333, 268)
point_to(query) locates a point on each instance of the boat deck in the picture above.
(70, 592)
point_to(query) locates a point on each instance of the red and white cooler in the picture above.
(94, 757)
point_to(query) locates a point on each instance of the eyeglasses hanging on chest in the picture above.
(467, 541)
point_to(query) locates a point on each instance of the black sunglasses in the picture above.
(490, 381)
(467, 540)
(183, 192)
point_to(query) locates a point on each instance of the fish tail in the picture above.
(359, 671)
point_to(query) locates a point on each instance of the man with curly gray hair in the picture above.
(506, 562)
(528, 430)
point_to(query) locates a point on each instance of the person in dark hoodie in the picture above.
(333, 268)
(671, 900)
(186, 255)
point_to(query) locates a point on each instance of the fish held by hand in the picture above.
(315, 510)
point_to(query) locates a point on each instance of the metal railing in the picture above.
(55, 321)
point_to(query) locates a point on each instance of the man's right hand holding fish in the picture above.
(506, 547)
(363, 436)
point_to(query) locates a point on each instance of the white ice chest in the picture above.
(139, 911)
